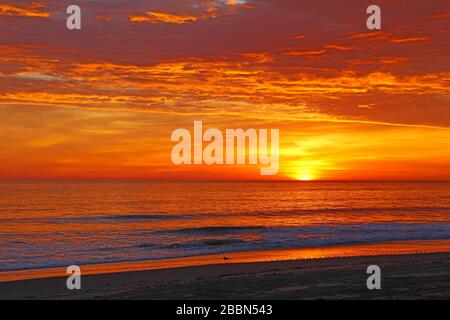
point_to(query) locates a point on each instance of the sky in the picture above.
(102, 102)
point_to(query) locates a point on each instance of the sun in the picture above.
(306, 176)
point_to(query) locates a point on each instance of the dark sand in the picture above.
(412, 276)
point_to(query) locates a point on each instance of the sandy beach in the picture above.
(408, 276)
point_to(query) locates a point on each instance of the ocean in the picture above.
(58, 224)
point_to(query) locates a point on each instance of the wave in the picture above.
(131, 217)
(103, 218)
(350, 210)
(428, 211)
(105, 246)
(289, 237)
(216, 230)
(203, 243)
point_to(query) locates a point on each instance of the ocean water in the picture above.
(58, 224)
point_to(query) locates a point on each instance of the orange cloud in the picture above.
(443, 15)
(385, 36)
(367, 35)
(103, 18)
(161, 17)
(231, 3)
(339, 47)
(411, 39)
(258, 57)
(35, 10)
(209, 10)
(321, 51)
(380, 61)
(240, 4)
(305, 53)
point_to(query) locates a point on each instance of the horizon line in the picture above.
(145, 180)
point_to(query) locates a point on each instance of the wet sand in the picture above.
(406, 276)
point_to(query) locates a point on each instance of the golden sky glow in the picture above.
(102, 102)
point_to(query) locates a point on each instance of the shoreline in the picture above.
(411, 269)
(338, 251)
(404, 276)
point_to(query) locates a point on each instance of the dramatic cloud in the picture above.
(160, 17)
(35, 10)
(348, 99)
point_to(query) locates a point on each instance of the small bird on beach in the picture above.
(226, 258)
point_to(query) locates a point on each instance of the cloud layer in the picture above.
(259, 62)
